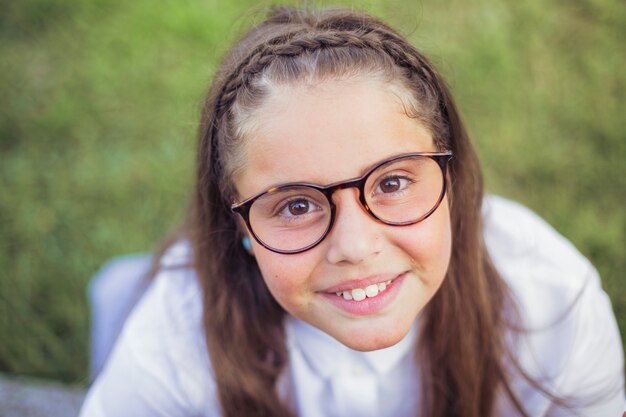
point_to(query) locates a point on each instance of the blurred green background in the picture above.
(101, 100)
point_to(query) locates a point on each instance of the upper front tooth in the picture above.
(358, 294)
(347, 295)
(371, 290)
(382, 286)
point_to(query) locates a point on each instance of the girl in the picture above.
(340, 259)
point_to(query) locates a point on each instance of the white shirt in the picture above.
(160, 366)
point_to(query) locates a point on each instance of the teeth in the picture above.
(371, 290)
(360, 294)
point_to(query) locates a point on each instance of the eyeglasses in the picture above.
(294, 217)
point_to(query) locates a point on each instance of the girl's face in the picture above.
(330, 132)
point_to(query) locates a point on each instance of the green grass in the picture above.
(101, 100)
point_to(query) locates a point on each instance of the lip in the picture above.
(368, 306)
(361, 283)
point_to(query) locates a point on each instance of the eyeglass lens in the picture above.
(402, 191)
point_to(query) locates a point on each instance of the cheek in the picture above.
(429, 243)
(287, 276)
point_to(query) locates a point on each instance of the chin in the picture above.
(368, 343)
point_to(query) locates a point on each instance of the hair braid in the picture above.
(304, 41)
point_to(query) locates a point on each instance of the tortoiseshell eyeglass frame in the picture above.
(242, 208)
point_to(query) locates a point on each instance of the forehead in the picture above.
(325, 133)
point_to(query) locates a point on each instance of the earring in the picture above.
(246, 243)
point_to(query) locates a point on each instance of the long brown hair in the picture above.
(461, 349)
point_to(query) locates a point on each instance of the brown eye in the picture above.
(390, 185)
(298, 207)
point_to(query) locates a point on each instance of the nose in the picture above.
(355, 235)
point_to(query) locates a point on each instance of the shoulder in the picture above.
(518, 238)
(538, 263)
(160, 364)
(569, 333)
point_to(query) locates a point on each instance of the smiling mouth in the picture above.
(360, 294)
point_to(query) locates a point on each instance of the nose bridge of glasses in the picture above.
(357, 183)
(332, 188)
